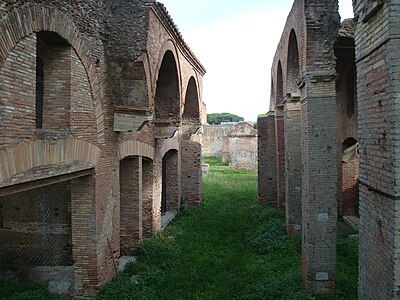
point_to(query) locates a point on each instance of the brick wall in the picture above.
(36, 227)
(267, 176)
(91, 70)
(280, 156)
(57, 87)
(378, 60)
(191, 173)
(293, 181)
(18, 75)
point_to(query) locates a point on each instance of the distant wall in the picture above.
(235, 143)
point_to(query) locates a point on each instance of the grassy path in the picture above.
(228, 248)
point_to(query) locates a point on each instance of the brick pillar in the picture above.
(280, 155)
(191, 173)
(130, 204)
(320, 176)
(293, 166)
(147, 198)
(378, 85)
(84, 237)
(267, 176)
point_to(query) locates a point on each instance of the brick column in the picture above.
(293, 166)
(320, 176)
(130, 204)
(280, 155)
(267, 176)
(84, 237)
(191, 173)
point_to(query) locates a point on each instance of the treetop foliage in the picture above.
(217, 118)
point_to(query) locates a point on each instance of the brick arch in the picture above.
(135, 148)
(23, 157)
(191, 106)
(167, 99)
(293, 63)
(167, 145)
(169, 45)
(29, 19)
(272, 94)
(279, 95)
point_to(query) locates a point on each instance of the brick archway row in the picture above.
(24, 157)
(30, 18)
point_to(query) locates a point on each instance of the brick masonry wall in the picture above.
(212, 139)
(191, 173)
(378, 62)
(57, 87)
(293, 181)
(280, 156)
(18, 76)
(267, 176)
(319, 187)
(243, 152)
(82, 120)
(87, 141)
(36, 227)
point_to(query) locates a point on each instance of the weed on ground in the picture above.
(227, 248)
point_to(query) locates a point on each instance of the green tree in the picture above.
(217, 118)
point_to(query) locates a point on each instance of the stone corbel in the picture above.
(371, 7)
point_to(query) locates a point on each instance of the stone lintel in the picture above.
(128, 122)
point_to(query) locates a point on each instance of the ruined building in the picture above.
(99, 101)
(330, 142)
(235, 143)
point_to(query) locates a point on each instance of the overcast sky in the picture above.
(235, 40)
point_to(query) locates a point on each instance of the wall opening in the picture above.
(170, 197)
(348, 200)
(148, 197)
(293, 64)
(53, 81)
(43, 230)
(279, 85)
(130, 178)
(39, 91)
(36, 235)
(167, 99)
(191, 111)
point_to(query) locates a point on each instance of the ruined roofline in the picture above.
(165, 18)
(347, 28)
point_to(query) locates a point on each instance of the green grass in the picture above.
(228, 248)
(214, 161)
(13, 291)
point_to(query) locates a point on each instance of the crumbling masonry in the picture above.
(99, 102)
(330, 143)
